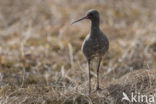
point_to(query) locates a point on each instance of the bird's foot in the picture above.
(89, 92)
(97, 90)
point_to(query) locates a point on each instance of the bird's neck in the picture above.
(95, 27)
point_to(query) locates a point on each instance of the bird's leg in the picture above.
(89, 76)
(98, 67)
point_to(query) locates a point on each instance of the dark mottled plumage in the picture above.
(96, 43)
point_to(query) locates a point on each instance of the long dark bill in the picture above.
(85, 17)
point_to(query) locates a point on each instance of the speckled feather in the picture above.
(96, 43)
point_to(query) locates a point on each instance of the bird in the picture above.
(95, 45)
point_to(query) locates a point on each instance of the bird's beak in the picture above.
(85, 17)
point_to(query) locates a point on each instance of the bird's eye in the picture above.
(91, 14)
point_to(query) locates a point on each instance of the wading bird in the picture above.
(96, 43)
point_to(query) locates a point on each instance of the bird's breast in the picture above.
(93, 47)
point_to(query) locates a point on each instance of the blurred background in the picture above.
(40, 51)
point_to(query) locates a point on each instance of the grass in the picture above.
(41, 59)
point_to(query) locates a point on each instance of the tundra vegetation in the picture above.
(41, 59)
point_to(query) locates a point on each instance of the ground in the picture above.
(41, 59)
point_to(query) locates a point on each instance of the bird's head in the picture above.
(92, 15)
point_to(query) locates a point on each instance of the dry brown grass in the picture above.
(41, 60)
